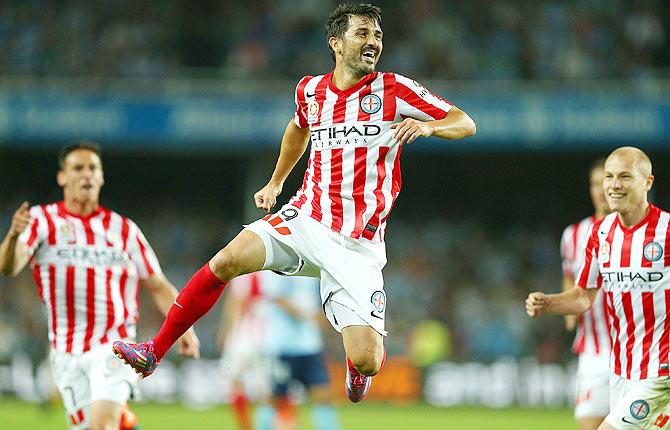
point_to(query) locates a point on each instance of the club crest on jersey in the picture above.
(652, 251)
(378, 300)
(371, 103)
(604, 253)
(312, 109)
(639, 409)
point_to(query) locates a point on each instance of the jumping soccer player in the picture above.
(333, 228)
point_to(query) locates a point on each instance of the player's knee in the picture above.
(367, 363)
(225, 265)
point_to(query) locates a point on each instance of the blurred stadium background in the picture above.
(189, 100)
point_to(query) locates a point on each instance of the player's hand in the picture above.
(409, 129)
(536, 304)
(266, 197)
(189, 344)
(20, 220)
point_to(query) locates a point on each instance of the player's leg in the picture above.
(244, 254)
(314, 376)
(105, 415)
(73, 387)
(592, 384)
(364, 347)
(240, 403)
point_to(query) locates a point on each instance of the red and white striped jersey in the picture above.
(592, 332)
(353, 176)
(87, 271)
(632, 265)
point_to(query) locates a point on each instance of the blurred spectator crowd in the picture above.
(473, 39)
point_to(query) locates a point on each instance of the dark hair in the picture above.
(82, 144)
(338, 21)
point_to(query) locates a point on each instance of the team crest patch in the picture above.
(639, 409)
(652, 251)
(313, 108)
(371, 103)
(378, 300)
(604, 253)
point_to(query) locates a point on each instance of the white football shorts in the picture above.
(97, 374)
(592, 384)
(643, 404)
(352, 286)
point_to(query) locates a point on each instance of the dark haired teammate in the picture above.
(88, 263)
(358, 121)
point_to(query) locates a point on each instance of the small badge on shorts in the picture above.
(652, 251)
(639, 409)
(378, 300)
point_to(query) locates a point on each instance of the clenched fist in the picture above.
(536, 304)
(20, 220)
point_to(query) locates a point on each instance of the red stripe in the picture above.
(303, 197)
(367, 90)
(610, 237)
(301, 107)
(52, 300)
(316, 200)
(320, 97)
(69, 305)
(379, 196)
(105, 226)
(389, 97)
(80, 415)
(649, 234)
(664, 341)
(649, 322)
(37, 277)
(607, 318)
(625, 248)
(630, 330)
(573, 249)
(90, 237)
(51, 237)
(123, 332)
(583, 279)
(90, 307)
(110, 306)
(396, 182)
(143, 251)
(617, 332)
(124, 232)
(594, 331)
(417, 102)
(33, 233)
(335, 188)
(340, 109)
(358, 192)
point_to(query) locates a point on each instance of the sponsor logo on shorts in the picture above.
(378, 300)
(639, 409)
(653, 251)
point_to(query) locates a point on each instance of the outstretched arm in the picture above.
(293, 145)
(574, 301)
(164, 295)
(14, 254)
(569, 320)
(456, 125)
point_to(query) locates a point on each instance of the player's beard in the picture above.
(356, 65)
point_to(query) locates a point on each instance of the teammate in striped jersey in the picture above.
(358, 121)
(592, 342)
(627, 256)
(87, 262)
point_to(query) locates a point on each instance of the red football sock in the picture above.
(241, 408)
(194, 301)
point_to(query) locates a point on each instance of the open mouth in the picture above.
(370, 55)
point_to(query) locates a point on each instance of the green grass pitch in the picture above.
(17, 415)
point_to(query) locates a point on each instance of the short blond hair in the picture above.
(642, 161)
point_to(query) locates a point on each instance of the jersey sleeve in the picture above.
(141, 253)
(415, 101)
(300, 116)
(589, 274)
(567, 252)
(36, 231)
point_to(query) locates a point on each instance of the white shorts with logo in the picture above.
(352, 286)
(643, 404)
(592, 386)
(94, 375)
